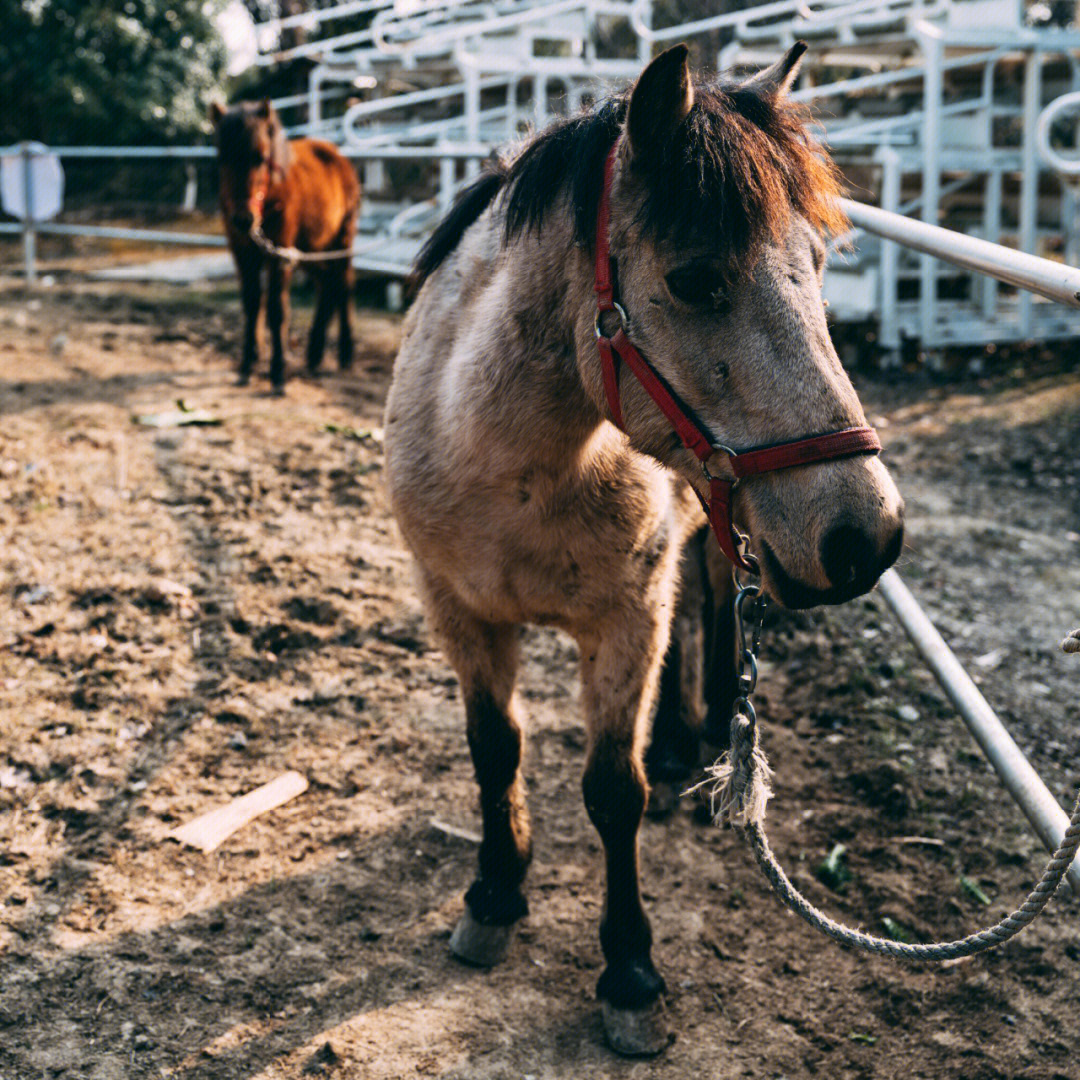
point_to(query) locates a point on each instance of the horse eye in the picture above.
(699, 285)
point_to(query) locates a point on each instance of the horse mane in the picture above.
(729, 177)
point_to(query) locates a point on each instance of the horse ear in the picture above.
(215, 111)
(778, 78)
(661, 98)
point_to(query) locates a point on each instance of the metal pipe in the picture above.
(1023, 782)
(150, 236)
(992, 234)
(29, 240)
(891, 177)
(933, 92)
(132, 151)
(1053, 280)
(1029, 178)
(1065, 166)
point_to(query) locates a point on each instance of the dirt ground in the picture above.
(188, 612)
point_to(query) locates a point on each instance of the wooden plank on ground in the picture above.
(208, 831)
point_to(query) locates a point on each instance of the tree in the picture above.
(107, 71)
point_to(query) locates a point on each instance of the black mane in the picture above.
(729, 176)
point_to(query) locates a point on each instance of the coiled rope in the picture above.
(737, 788)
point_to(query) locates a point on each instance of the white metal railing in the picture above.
(1055, 281)
(1064, 104)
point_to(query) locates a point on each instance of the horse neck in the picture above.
(549, 309)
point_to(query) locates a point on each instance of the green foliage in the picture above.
(833, 871)
(971, 888)
(897, 930)
(107, 71)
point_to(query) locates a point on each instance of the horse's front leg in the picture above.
(277, 318)
(620, 667)
(249, 264)
(485, 656)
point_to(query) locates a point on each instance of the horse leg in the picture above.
(674, 752)
(619, 674)
(485, 656)
(277, 318)
(721, 647)
(344, 297)
(249, 264)
(323, 309)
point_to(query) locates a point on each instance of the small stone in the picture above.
(33, 594)
(322, 1061)
(908, 713)
(990, 660)
(238, 741)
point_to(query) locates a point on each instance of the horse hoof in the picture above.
(278, 391)
(479, 945)
(635, 1032)
(243, 380)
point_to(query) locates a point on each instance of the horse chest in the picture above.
(566, 552)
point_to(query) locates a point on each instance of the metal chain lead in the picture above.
(744, 722)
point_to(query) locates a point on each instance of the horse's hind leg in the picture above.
(721, 647)
(619, 675)
(674, 753)
(324, 308)
(485, 657)
(344, 299)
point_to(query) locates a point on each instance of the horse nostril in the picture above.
(848, 554)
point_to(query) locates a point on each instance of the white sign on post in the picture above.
(31, 183)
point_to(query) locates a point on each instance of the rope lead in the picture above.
(737, 788)
(737, 784)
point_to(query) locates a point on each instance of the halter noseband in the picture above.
(694, 435)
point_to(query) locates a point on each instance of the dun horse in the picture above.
(301, 194)
(524, 502)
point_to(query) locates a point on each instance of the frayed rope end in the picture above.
(737, 783)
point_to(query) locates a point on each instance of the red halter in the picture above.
(695, 436)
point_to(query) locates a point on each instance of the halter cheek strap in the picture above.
(693, 433)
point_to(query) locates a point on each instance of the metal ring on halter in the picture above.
(721, 448)
(619, 310)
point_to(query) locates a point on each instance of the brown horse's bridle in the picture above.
(694, 435)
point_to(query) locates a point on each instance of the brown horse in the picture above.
(301, 194)
(524, 502)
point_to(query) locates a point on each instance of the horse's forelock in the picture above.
(730, 175)
(733, 174)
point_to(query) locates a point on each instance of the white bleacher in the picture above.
(930, 106)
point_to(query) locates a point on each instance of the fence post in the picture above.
(889, 327)
(29, 237)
